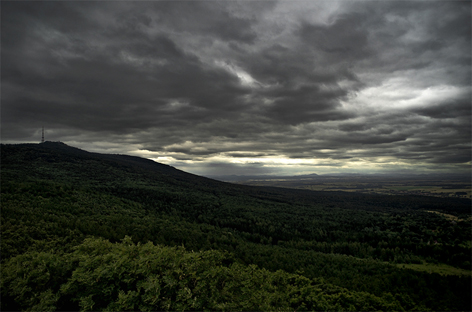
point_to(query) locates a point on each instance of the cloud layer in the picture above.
(232, 87)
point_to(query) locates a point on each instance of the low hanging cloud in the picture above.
(268, 86)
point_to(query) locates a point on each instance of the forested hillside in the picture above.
(92, 231)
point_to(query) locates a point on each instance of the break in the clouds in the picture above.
(243, 87)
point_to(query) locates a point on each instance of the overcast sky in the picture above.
(244, 87)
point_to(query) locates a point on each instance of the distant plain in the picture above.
(426, 185)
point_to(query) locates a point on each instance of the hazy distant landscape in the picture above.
(426, 184)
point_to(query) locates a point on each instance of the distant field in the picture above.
(442, 269)
(373, 185)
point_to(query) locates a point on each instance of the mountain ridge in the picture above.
(61, 152)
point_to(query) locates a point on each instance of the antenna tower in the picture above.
(42, 136)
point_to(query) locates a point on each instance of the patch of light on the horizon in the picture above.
(201, 165)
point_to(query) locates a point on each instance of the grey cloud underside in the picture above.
(241, 79)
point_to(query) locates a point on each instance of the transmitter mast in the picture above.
(42, 136)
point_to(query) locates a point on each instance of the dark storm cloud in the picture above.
(321, 82)
(117, 85)
(218, 21)
(449, 109)
(344, 40)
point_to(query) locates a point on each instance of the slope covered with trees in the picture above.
(91, 231)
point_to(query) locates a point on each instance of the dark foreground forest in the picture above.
(86, 231)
